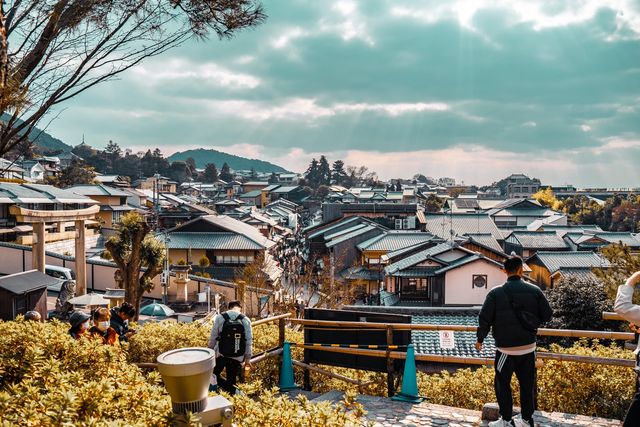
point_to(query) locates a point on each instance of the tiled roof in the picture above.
(251, 194)
(577, 274)
(284, 189)
(417, 272)
(340, 223)
(97, 190)
(395, 240)
(344, 231)
(228, 241)
(361, 273)
(487, 240)
(351, 235)
(234, 226)
(428, 342)
(418, 257)
(554, 261)
(539, 239)
(440, 224)
(628, 239)
(399, 252)
(40, 193)
(533, 212)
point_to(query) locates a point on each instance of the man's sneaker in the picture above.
(519, 422)
(501, 423)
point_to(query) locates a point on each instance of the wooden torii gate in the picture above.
(38, 219)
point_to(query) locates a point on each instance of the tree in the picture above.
(179, 171)
(578, 303)
(254, 174)
(78, 172)
(338, 173)
(210, 173)
(623, 264)
(273, 179)
(38, 39)
(254, 281)
(225, 173)
(132, 249)
(312, 175)
(547, 198)
(191, 163)
(398, 185)
(322, 192)
(433, 203)
(324, 171)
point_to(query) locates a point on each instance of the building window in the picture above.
(479, 281)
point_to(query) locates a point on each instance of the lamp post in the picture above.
(166, 275)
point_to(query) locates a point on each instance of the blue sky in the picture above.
(474, 89)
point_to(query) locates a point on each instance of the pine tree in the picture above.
(210, 173)
(324, 171)
(225, 173)
(338, 173)
(312, 175)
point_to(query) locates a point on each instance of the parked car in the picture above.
(63, 273)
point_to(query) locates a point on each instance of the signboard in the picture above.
(447, 339)
(361, 337)
(202, 297)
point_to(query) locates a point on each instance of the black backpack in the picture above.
(232, 340)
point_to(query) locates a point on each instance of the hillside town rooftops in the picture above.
(394, 240)
(441, 224)
(98, 190)
(554, 261)
(538, 239)
(212, 241)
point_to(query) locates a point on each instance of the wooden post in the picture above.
(37, 251)
(81, 259)
(281, 332)
(390, 374)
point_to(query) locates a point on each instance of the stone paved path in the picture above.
(383, 412)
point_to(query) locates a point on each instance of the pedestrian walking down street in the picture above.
(631, 313)
(231, 338)
(513, 312)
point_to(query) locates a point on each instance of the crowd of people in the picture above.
(110, 326)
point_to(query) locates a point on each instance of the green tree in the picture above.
(338, 173)
(254, 174)
(38, 37)
(324, 171)
(210, 173)
(433, 203)
(78, 172)
(191, 163)
(312, 175)
(133, 248)
(179, 171)
(225, 173)
(273, 179)
(578, 303)
(322, 192)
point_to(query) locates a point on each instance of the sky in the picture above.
(474, 90)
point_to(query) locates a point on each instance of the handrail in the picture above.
(472, 360)
(463, 328)
(270, 319)
(611, 315)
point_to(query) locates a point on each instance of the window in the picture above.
(479, 281)
(116, 216)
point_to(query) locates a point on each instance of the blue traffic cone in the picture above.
(287, 383)
(409, 391)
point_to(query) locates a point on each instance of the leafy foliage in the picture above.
(578, 303)
(623, 264)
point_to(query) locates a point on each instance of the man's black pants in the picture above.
(525, 369)
(233, 370)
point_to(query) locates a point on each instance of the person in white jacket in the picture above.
(625, 307)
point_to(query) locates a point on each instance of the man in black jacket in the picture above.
(120, 317)
(513, 311)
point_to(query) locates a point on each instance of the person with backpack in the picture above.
(630, 312)
(514, 311)
(231, 338)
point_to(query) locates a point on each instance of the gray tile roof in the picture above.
(628, 239)
(233, 226)
(466, 223)
(417, 258)
(395, 240)
(487, 240)
(351, 235)
(428, 342)
(539, 239)
(577, 274)
(554, 261)
(212, 241)
(250, 194)
(98, 190)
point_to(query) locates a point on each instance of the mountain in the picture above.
(43, 139)
(203, 156)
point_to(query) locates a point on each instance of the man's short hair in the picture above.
(127, 309)
(513, 264)
(233, 304)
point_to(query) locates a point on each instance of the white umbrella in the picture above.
(89, 299)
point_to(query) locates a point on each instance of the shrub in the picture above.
(106, 255)
(204, 262)
(181, 261)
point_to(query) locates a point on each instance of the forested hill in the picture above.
(203, 156)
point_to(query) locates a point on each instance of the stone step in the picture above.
(310, 395)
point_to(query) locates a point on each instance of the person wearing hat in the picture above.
(33, 316)
(79, 324)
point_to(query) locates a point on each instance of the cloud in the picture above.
(178, 69)
(585, 127)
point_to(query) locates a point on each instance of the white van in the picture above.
(63, 273)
